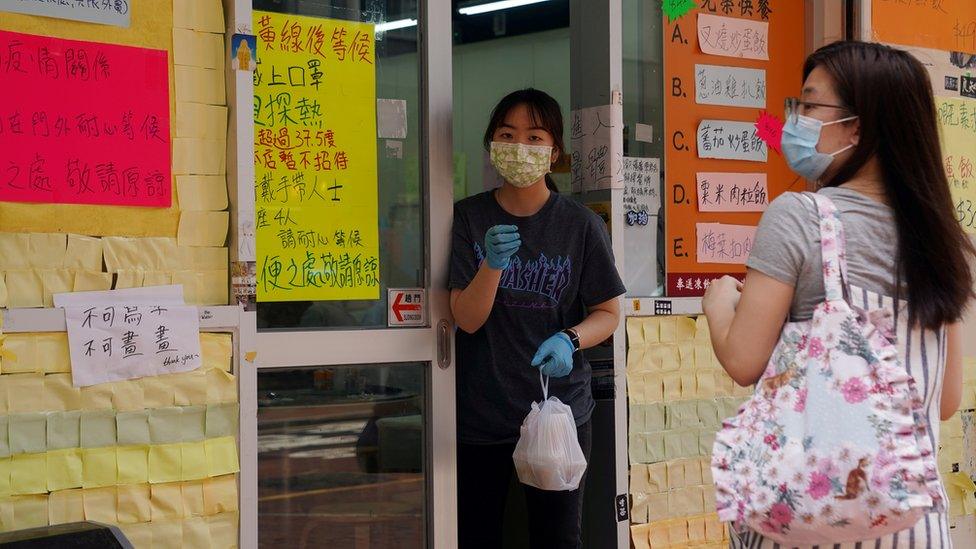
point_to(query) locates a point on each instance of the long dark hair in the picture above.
(545, 114)
(890, 92)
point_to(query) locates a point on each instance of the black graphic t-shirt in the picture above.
(565, 265)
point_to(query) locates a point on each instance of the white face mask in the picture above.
(521, 165)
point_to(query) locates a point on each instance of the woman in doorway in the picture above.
(865, 129)
(533, 282)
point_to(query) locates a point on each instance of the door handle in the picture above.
(443, 344)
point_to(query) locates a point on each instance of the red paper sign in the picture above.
(83, 122)
(770, 130)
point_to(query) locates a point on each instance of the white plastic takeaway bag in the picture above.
(548, 454)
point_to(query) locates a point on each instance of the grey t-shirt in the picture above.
(787, 246)
(565, 264)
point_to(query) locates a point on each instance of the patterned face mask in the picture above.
(521, 165)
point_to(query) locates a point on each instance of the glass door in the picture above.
(355, 420)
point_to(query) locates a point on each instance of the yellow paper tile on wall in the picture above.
(657, 477)
(676, 474)
(213, 287)
(56, 281)
(190, 388)
(157, 278)
(128, 279)
(194, 464)
(222, 456)
(658, 507)
(668, 357)
(28, 474)
(637, 448)
(164, 425)
(134, 503)
(91, 281)
(639, 535)
(216, 350)
(220, 495)
(206, 259)
(200, 15)
(638, 507)
(693, 472)
(714, 529)
(193, 500)
(652, 330)
(21, 355)
(195, 156)
(25, 393)
(196, 533)
(64, 429)
(191, 285)
(66, 506)
(635, 388)
(165, 463)
(689, 385)
(659, 536)
(4, 401)
(52, 352)
(102, 505)
(686, 354)
(99, 467)
(221, 386)
(635, 333)
(14, 251)
(197, 120)
(198, 85)
(706, 469)
(97, 397)
(638, 479)
(4, 296)
(678, 532)
(656, 448)
(203, 228)
(635, 360)
(7, 514)
(202, 192)
(24, 289)
(198, 49)
(685, 329)
(121, 253)
(653, 388)
(224, 529)
(5, 476)
(30, 511)
(157, 391)
(47, 250)
(702, 333)
(193, 423)
(696, 530)
(27, 432)
(64, 469)
(166, 501)
(672, 387)
(160, 254)
(4, 440)
(711, 504)
(83, 253)
(133, 462)
(127, 396)
(669, 329)
(654, 416)
(139, 535)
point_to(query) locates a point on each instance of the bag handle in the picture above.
(545, 386)
(833, 249)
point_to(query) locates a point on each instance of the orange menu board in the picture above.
(949, 25)
(727, 63)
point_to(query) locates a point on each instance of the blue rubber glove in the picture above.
(501, 243)
(555, 356)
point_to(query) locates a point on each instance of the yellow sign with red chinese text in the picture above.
(316, 195)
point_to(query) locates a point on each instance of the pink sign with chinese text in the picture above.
(83, 122)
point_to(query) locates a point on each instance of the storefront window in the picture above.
(341, 456)
(398, 166)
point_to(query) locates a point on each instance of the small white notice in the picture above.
(730, 140)
(642, 205)
(730, 86)
(406, 307)
(596, 138)
(119, 335)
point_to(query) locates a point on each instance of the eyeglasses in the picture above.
(794, 107)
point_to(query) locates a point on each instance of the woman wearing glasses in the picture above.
(864, 129)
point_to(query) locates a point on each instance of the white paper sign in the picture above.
(733, 37)
(730, 86)
(116, 342)
(391, 118)
(730, 140)
(642, 204)
(114, 12)
(732, 192)
(596, 139)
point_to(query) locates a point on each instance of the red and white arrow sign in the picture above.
(399, 307)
